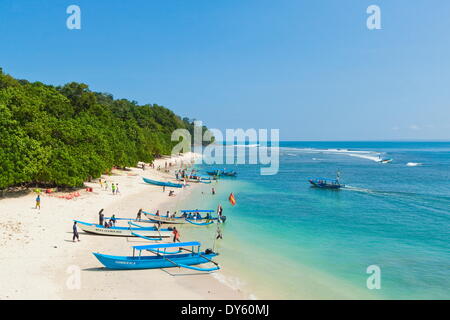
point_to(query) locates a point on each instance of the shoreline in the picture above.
(40, 261)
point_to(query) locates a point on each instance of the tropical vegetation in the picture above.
(65, 135)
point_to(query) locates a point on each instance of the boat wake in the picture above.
(350, 188)
(374, 157)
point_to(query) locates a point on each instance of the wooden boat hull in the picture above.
(152, 262)
(155, 218)
(196, 181)
(178, 220)
(124, 231)
(162, 184)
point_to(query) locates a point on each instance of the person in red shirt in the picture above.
(176, 235)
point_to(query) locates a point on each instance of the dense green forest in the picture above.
(62, 136)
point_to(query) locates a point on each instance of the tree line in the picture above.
(65, 135)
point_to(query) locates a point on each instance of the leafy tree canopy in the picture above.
(65, 135)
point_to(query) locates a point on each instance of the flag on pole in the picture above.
(232, 199)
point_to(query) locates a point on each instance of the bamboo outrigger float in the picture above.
(162, 258)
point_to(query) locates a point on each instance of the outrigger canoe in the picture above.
(154, 218)
(186, 218)
(129, 231)
(181, 258)
(163, 184)
(223, 173)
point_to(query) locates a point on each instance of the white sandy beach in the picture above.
(40, 261)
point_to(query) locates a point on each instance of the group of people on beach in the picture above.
(104, 223)
(168, 214)
(104, 184)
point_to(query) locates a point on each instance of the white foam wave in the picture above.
(232, 282)
(413, 164)
(364, 154)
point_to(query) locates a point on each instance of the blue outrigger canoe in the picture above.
(162, 257)
(125, 231)
(187, 217)
(162, 184)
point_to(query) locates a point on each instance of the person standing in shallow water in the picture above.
(75, 232)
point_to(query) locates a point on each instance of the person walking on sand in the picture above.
(139, 214)
(117, 188)
(101, 183)
(106, 185)
(75, 232)
(113, 188)
(176, 235)
(38, 202)
(164, 188)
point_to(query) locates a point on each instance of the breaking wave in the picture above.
(413, 164)
(363, 154)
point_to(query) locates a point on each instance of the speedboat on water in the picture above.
(381, 160)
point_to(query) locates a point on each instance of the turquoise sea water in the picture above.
(286, 240)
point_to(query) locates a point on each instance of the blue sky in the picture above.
(310, 68)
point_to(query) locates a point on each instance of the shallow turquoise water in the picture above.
(285, 239)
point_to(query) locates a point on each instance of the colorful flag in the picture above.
(232, 199)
